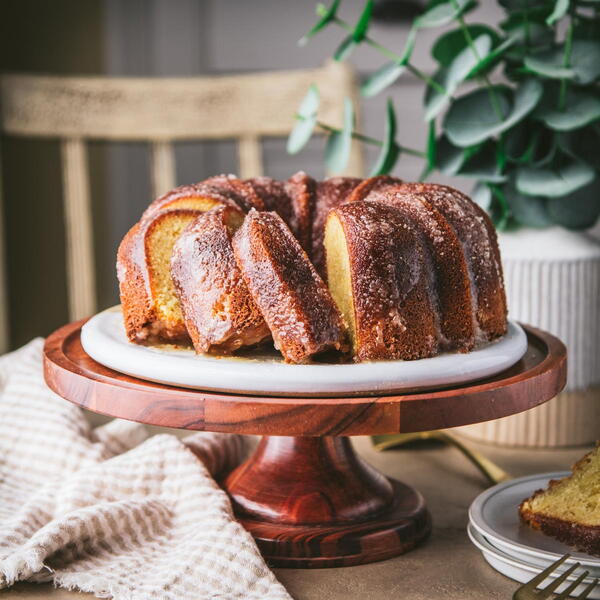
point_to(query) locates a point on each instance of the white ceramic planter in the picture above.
(552, 279)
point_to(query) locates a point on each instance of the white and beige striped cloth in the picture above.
(112, 511)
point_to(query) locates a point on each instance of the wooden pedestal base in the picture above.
(312, 502)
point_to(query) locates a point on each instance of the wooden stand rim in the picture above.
(72, 374)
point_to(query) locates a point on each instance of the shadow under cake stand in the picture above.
(307, 498)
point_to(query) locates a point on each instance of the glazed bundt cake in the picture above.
(413, 269)
(219, 312)
(292, 297)
(569, 509)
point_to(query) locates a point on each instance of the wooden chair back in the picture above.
(158, 111)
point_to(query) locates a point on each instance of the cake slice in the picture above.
(377, 271)
(291, 296)
(219, 312)
(151, 310)
(569, 509)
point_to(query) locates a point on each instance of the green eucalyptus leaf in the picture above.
(339, 143)
(442, 13)
(553, 182)
(344, 50)
(585, 60)
(310, 103)
(526, 210)
(326, 18)
(581, 109)
(389, 150)
(560, 10)
(306, 120)
(584, 63)
(488, 61)
(549, 63)
(482, 195)
(473, 119)
(434, 100)
(578, 210)
(360, 31)
(450, 44)
(500, 213)
(409, 46)
(300, 134)
(454, 74)
(382, 78)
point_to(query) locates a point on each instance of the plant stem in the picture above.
(395, 58)
(484, 78)
(562, 95)
(366, 139)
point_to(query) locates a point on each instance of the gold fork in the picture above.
(493, 473)
(529, 591)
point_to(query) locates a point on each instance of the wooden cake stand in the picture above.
(306, 497)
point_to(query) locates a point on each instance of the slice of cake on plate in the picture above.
(569, 509)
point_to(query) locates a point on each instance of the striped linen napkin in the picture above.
(112, 511)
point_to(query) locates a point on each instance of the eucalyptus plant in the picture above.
(528, 129)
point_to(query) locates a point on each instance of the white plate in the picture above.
(103, 338)
(494, 514)
(523, 571)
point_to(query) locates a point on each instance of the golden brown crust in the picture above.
(293, 299)
(393, 308)
(180, 195)
(302, 190)
(477, 235)
(220, 315)
(240, 191)
(374, 187)
(450, 281)
(143, 323)
(275, 198)
(329, 193)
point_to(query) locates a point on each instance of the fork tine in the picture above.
(567, 592)
(547, 591)
(588, 590)
(530, 585)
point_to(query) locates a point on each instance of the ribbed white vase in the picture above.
(552, 279)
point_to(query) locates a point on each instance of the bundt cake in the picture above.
(219, 312)
(569, 509)
(293, 299)
(413, 269)
(379, 274)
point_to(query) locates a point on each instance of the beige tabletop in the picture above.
(447, 566)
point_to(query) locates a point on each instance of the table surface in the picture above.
(447, 566)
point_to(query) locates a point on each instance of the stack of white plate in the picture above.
(516, 550)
